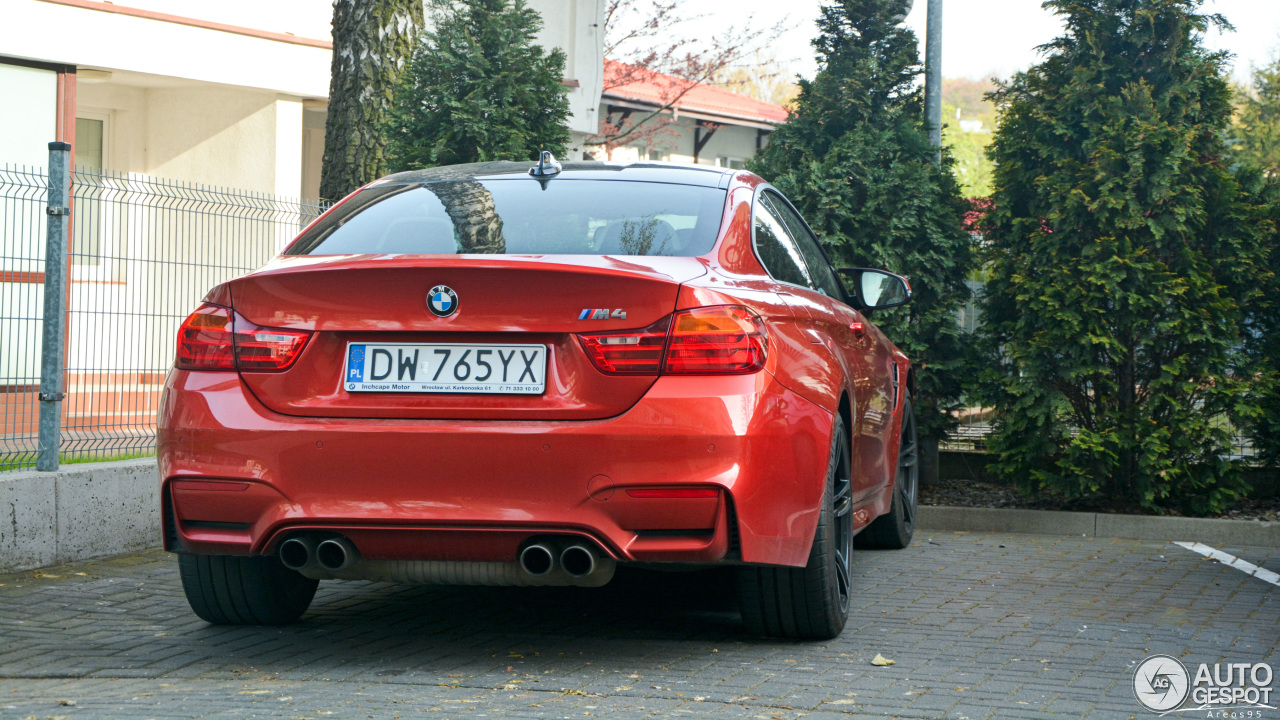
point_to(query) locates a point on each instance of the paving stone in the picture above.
(1041, 627)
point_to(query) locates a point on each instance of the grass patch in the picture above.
(27, 460)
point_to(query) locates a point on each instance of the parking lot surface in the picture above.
(978, 626)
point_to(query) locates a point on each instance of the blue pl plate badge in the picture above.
(355, 364)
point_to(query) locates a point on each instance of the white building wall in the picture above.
(89, 38)
(576, 26)
(28, 114)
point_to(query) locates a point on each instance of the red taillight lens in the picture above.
(716, 340)
(204, 340)
(267, 348)
(724, 340)
(212, 339)
(630, 352)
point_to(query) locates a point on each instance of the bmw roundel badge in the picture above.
(442, 301)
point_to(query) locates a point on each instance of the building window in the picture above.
(89, 142)
(731, 162)
(97, 221)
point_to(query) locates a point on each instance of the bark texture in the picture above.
(372, 42)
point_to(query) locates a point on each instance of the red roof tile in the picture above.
(654, 88)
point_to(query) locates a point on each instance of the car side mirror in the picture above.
(876, 289)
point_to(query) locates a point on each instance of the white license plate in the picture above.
(445, 368)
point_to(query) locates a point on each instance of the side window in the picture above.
(777, 252)
(824, 278)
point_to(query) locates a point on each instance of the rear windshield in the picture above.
(521, 217)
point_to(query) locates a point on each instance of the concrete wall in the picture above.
(577, 27)
(77, 513)
(197, 132)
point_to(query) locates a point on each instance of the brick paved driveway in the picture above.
(1001, 626)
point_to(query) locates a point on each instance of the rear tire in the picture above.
(894, 529)
(809, 603)
(234, 590)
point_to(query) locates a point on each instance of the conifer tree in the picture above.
(478, 88)
(1255, 136)
(855, 159)
(1122, 254)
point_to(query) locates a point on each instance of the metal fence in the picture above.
(142, 253)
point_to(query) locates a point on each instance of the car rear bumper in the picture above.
(237, 477)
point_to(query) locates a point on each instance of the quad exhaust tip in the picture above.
(578, 561)
(336, 554)
(537, 560)
(297, 553)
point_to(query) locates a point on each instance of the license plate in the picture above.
(445, 368)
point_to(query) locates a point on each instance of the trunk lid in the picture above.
(500, 299)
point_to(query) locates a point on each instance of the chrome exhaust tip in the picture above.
(578, 561)
(537, 560)
(336, 554)
(296, 553)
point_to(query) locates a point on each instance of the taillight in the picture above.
(267, 348)
(716, 340)
(704, 341)
(204, 340)
(213, 339)
(629, 352)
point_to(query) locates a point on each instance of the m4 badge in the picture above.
(602, 314)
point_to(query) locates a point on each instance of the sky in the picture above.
(981, 38)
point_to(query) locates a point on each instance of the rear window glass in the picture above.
(521, 217)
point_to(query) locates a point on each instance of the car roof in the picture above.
(580, 170)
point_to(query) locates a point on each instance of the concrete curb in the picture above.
(1140, 527)
(78, 512)
(92, 510)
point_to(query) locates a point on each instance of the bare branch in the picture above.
(645, 39)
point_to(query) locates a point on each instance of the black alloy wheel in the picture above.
(810, 602)
(894, 529)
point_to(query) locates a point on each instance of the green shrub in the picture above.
(855, 159)
(1122, 256)
(477, 88)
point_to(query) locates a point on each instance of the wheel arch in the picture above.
(845, 407)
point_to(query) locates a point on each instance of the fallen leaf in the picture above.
(881, 660)
(842, 702)
(68, 703)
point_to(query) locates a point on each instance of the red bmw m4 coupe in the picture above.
(494, 374)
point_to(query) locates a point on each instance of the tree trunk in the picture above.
(372, 42)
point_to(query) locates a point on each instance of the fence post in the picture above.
(55, 305)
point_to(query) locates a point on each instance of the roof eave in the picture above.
(712, 116)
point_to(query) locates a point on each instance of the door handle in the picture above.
(859, 330)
